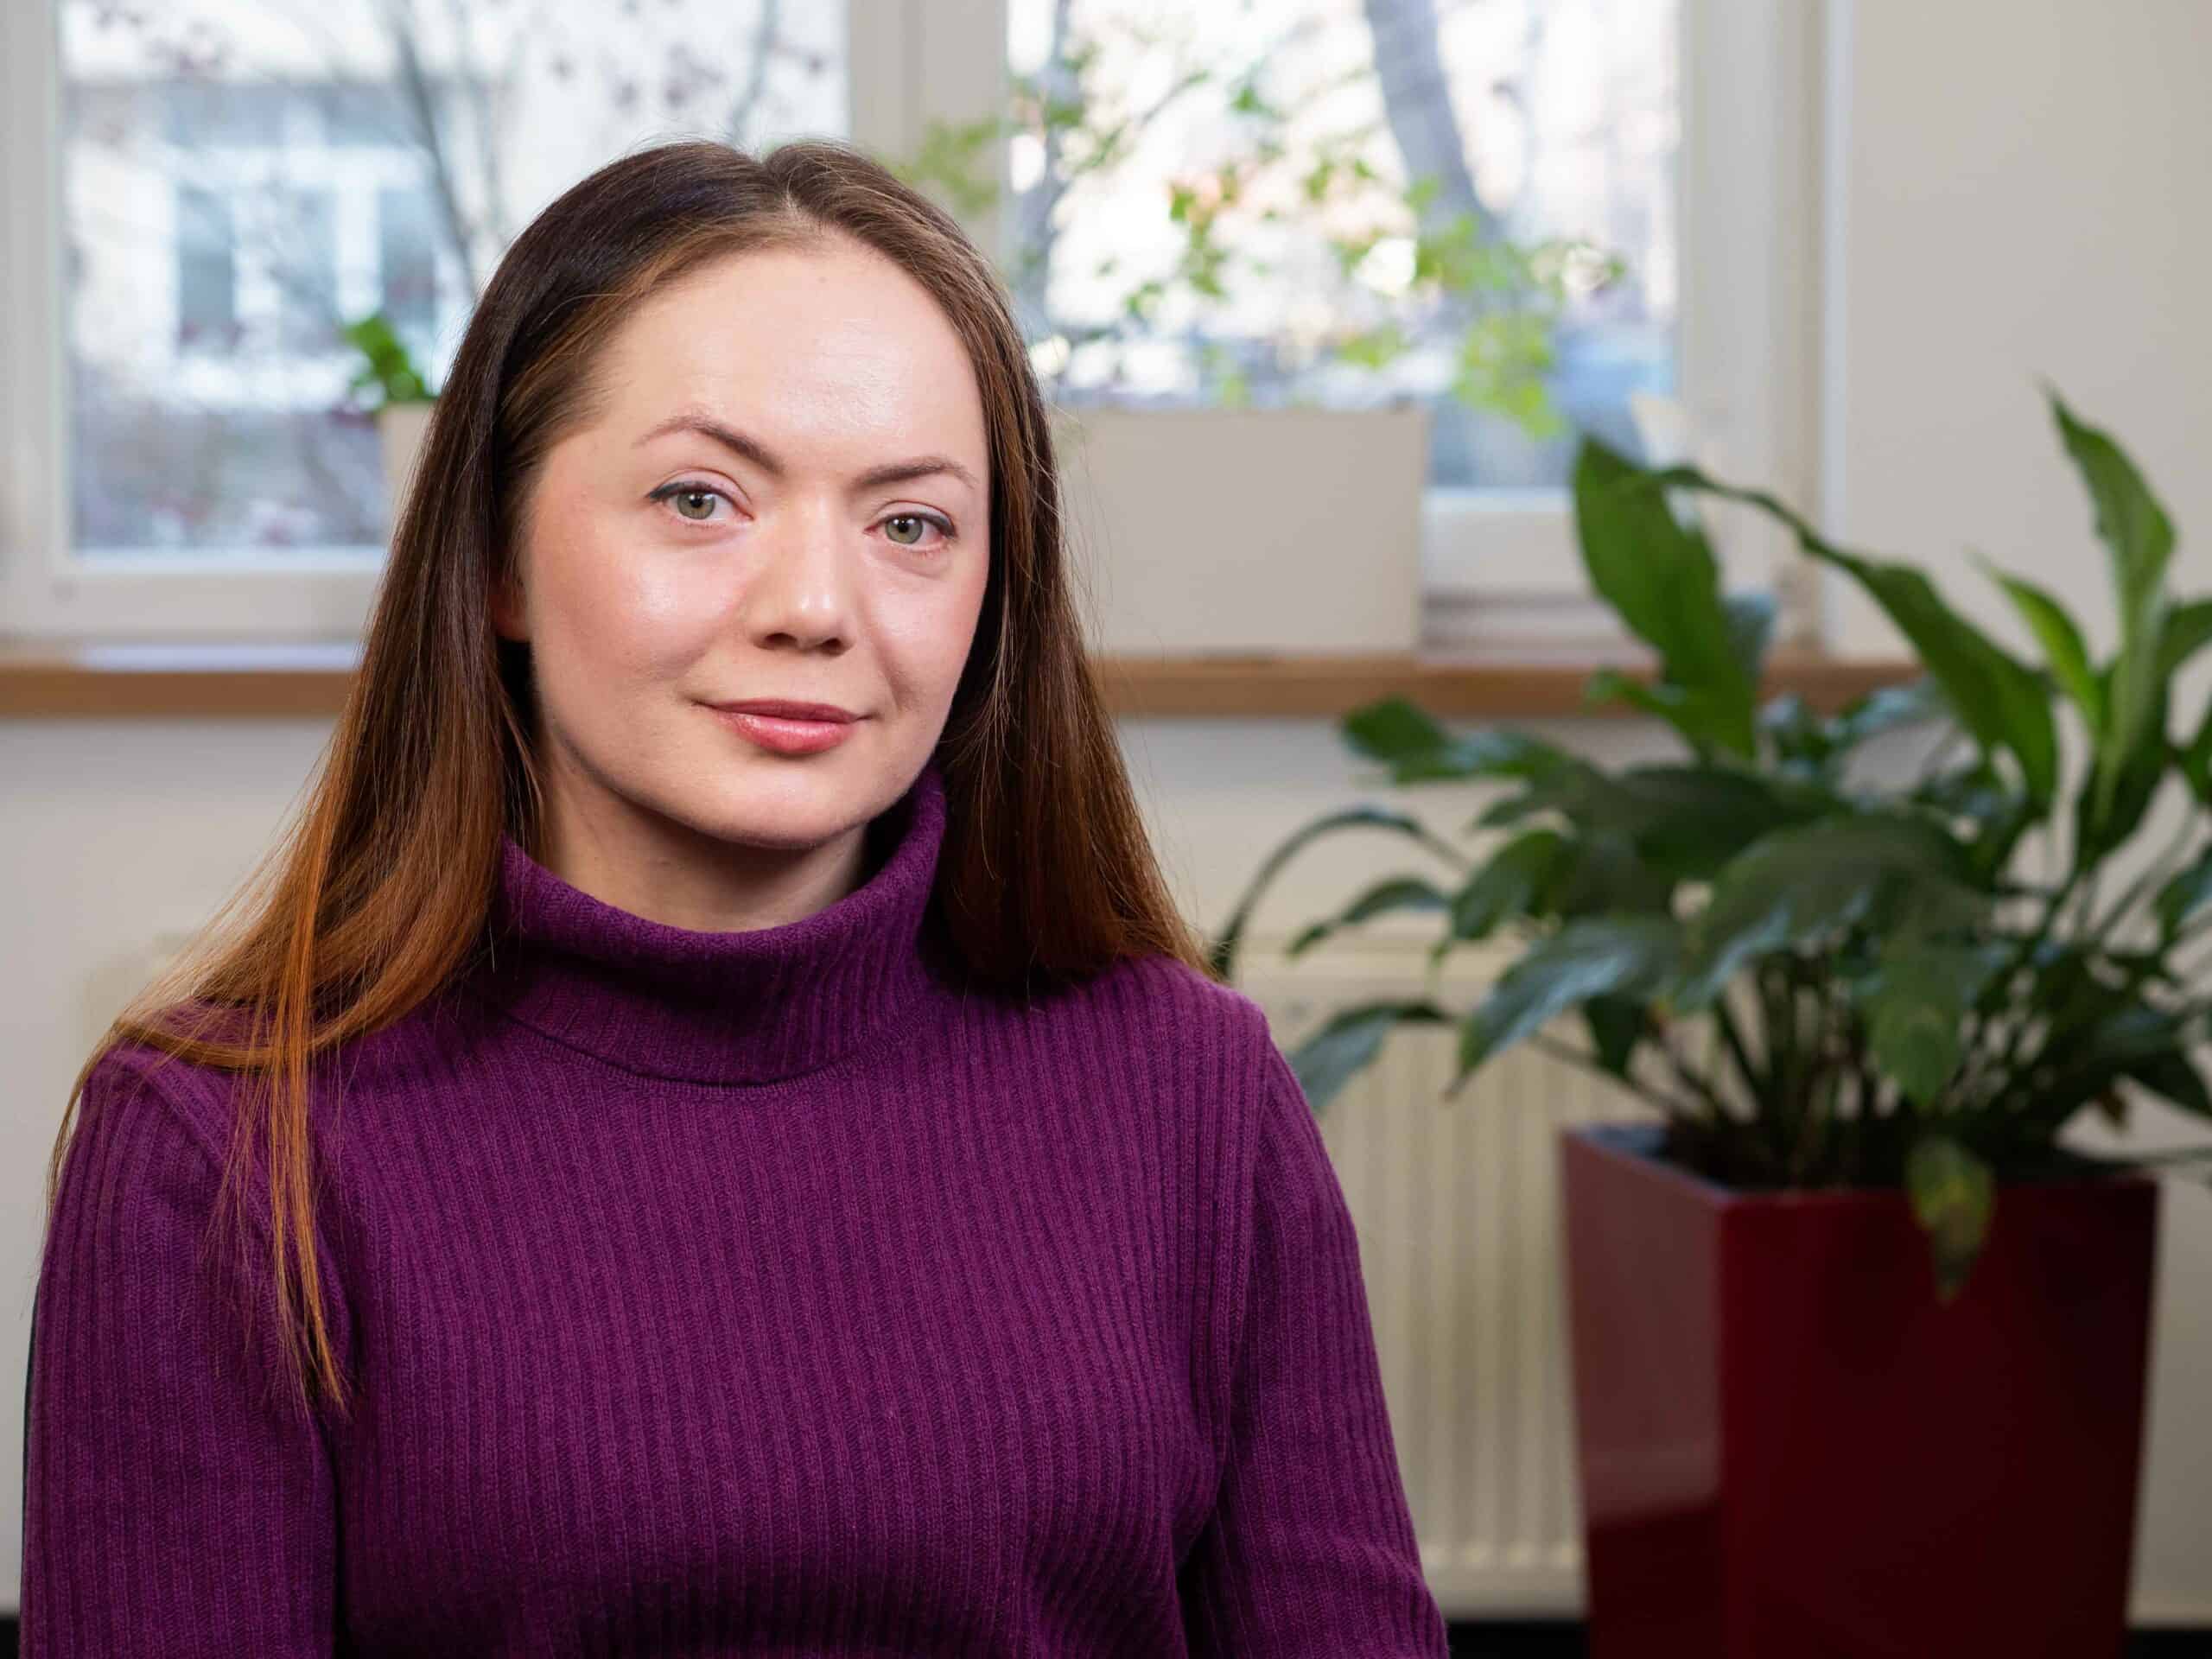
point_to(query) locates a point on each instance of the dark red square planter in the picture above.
(1789, 1449)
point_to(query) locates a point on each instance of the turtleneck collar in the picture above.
(756, 1006)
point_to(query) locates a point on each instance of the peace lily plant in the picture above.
(1821, 978)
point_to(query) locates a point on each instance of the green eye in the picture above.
(683, 491)
(918, 521)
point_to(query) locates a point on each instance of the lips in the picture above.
(767, 726)
(783, 708)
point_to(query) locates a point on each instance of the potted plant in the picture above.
(1401, 288)
(402, 403)
(1859, 1343)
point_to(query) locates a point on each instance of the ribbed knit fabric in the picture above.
(763, 1292)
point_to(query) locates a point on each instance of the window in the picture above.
(1218, 203)
(214, 191)
(1541, 122)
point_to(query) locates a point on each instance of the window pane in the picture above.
(407, 259)
(302, 229)
(240, 182)
(1212, 205)
(206, 302)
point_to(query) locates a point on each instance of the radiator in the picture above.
(1456, 1202)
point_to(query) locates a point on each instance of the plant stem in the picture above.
(1717, 1110)
(1590, 1063)
(1734, 1038)
(2161, 869)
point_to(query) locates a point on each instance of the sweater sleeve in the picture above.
(174, 1502)
(1311, 1551)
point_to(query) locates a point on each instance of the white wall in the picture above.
(2020, 194)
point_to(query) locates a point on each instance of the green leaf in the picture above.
(1617, 1025)
(1998, 813)
(2188, 631)
(2130, 522)
(1391, 729)
(1707, 723)
(1396, 732)
(1915, 1003)
(2173, 1076)
(1799, 885)
(1685, 821)
(1602, 872)
(2061, 640)
(2185, 893)
(2140, 539)
(2103, 818)
(2195, 760)
(1510, 884)
(1222, 951)
(1397, 892)
(2086, 1056)
(1596, 956)
(1662, 580)
(1348, 1043)
(1953, 1195)
(1998, 698)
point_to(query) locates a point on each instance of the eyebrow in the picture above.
(895, 472)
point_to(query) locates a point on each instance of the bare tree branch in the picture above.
(415, 86)
(765, 40)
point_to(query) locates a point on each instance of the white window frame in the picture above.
(1496, 566)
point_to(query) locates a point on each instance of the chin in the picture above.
(793, 805)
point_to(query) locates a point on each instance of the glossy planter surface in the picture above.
(1789, 1449)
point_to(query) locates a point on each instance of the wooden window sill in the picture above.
(45, 679)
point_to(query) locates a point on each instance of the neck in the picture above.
(748, 1006)
(668, 872)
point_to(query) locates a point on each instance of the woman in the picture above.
(655, 1175)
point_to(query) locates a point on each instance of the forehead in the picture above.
(821, 343)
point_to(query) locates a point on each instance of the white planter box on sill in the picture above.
(1246, 531)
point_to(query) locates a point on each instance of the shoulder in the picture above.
(1183, 1038)
(149, 1117)
(1220, 1044)
(139, 1175)
(1163, 1008)
(1174, 1001)
(134, 1087)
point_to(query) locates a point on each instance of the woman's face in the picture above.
(667, 570)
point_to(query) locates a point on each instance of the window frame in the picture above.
(1496, 566)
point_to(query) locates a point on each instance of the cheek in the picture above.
(927, 636)
(621, 616)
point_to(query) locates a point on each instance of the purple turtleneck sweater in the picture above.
(756, 1293)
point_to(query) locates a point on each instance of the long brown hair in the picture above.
(380, 889)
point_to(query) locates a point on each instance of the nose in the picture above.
(800, 591)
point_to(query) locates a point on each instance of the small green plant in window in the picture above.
(387, 365)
